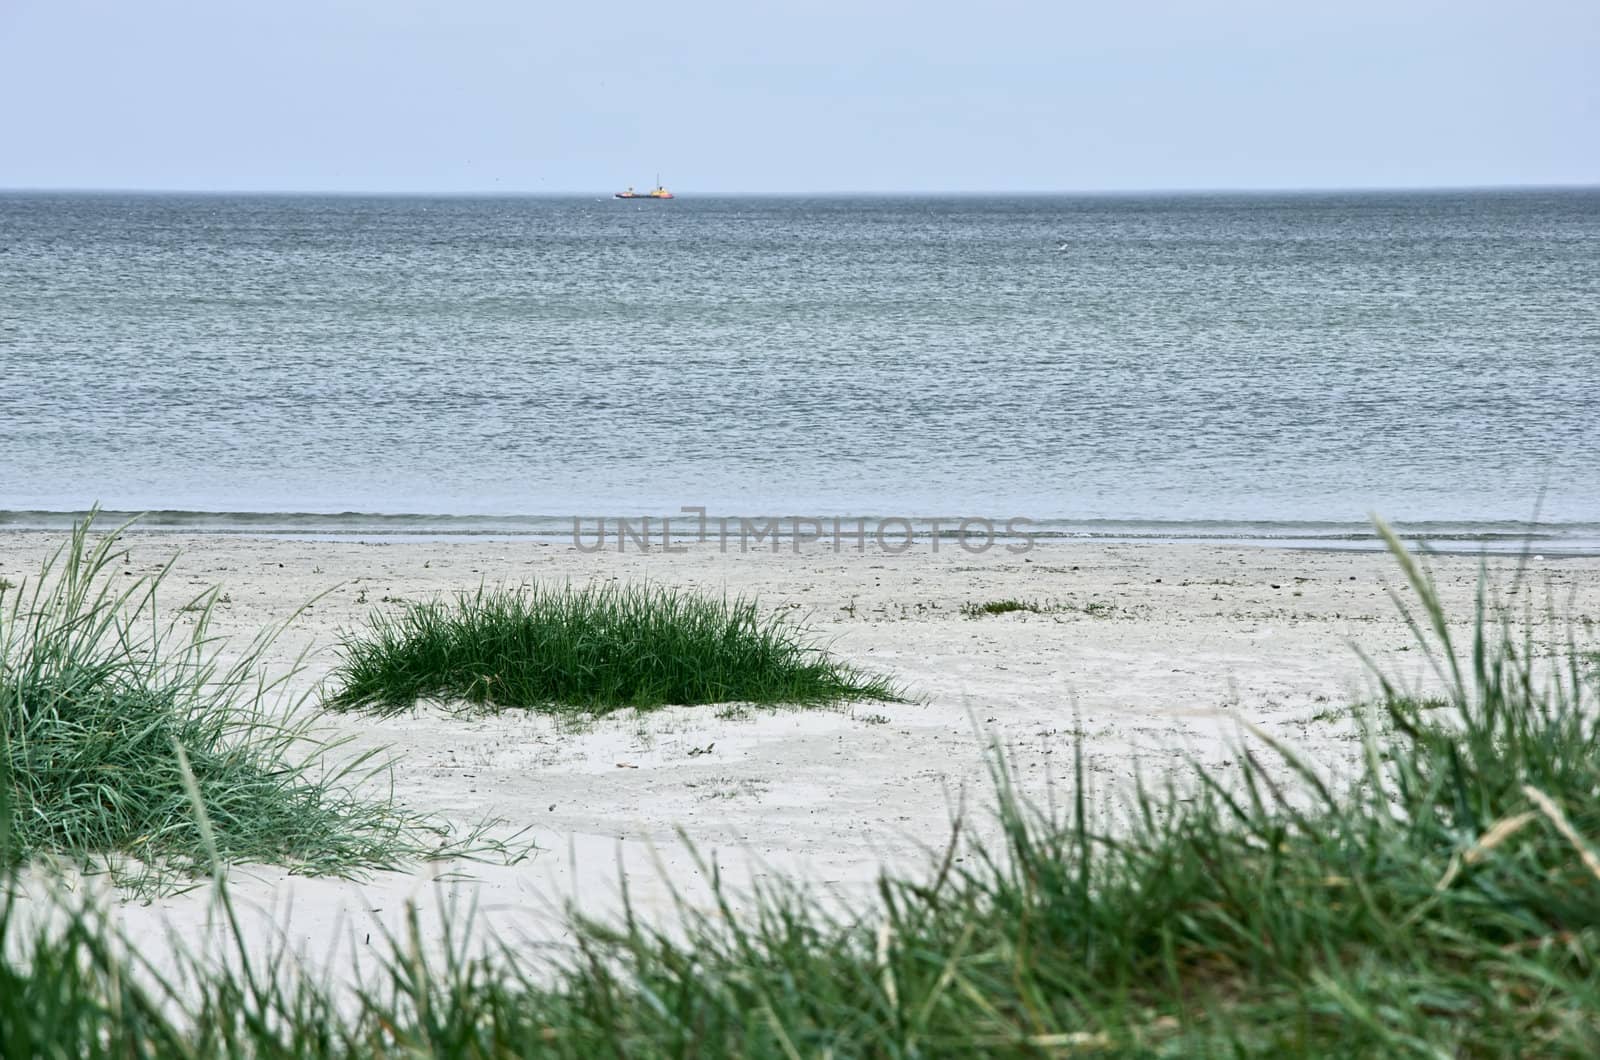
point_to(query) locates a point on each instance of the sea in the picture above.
(1276, 368)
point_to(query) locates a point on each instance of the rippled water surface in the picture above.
(1248, 363)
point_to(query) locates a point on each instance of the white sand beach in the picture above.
(1154, 652)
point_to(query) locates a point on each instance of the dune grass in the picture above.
(591, 649)
(98, 692)
(1444, 901)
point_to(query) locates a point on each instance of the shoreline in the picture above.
(836, 534)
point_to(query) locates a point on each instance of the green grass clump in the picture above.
(1443, 901)
(97, 692)
(593, 649)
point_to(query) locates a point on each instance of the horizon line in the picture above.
(485, 193)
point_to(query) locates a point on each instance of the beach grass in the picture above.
(99, 694)
(1441, 900)
(590, 649)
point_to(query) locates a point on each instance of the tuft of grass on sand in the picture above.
(1445, 901)
(593, 649)
(98, 693)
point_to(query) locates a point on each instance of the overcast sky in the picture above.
(824, 95)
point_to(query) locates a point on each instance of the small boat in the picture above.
(657, 192)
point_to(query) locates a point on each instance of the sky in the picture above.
(520, 96)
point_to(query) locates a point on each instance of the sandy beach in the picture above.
(1154, 652)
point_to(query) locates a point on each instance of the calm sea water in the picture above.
(1232, 365)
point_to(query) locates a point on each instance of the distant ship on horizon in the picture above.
(658, 192)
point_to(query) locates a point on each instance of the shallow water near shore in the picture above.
(1209, 366)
